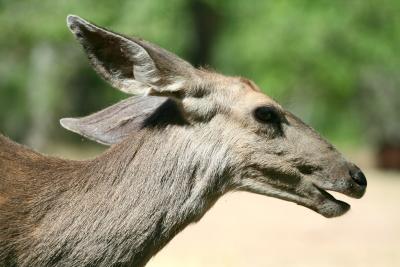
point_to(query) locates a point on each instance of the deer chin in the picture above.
(325, 204)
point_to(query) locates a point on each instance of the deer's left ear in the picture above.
(131, 65)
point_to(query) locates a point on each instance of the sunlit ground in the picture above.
(248, 230)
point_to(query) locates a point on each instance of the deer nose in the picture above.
(358, 176)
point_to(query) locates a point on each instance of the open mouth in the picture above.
(310, 194)
(319, 200)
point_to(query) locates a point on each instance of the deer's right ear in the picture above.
(131, 65)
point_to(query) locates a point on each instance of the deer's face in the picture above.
(271, 151)
(276, 154)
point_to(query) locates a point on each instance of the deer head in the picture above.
(270, 151)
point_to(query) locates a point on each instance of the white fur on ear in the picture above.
(176, 85)
(134, 87)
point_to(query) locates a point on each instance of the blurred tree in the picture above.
(383, 113)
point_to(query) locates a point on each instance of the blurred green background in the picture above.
(336, 64)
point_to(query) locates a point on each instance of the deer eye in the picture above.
(267, 114)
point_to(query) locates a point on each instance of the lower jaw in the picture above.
(330, 209)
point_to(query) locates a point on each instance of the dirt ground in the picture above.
(249, 230)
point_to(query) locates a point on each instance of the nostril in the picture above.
(358, 177)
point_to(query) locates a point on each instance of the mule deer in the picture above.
(191, 136)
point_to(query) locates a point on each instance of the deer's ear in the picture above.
(113, 124)
(129, 64)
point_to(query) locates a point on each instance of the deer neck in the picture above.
(136, 197)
